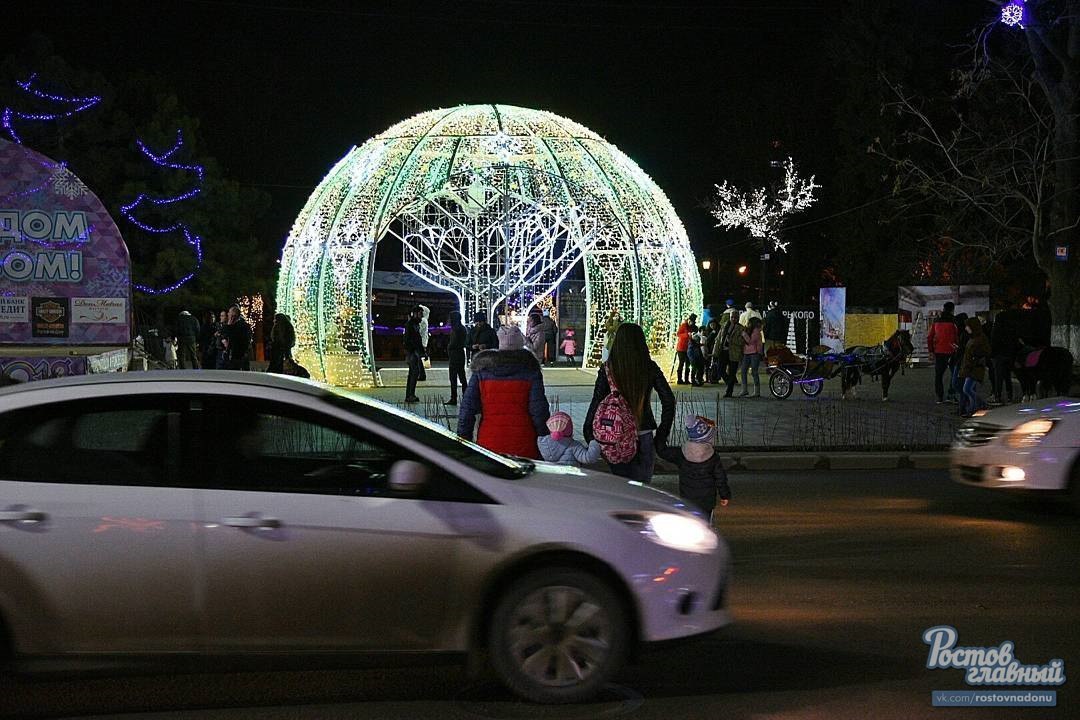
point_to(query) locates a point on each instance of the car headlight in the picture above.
(1030, 433)
(678, 532)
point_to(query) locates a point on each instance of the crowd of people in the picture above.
(541, 339)
(729, 349)
(967, 351)
(504, 407)
(224, 341)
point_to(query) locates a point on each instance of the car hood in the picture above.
(1010, 416)
(567, 486)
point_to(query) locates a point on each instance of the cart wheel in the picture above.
(780, 385)
(812, 389)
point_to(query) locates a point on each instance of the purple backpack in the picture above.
(614, 425)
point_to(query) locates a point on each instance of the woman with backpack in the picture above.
(620, 415)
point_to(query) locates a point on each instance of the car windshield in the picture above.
(432, 435)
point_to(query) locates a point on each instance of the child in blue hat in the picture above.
(702, 478)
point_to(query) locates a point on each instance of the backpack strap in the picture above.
(611, 379)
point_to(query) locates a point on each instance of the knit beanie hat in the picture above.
(510, 338)
(700, 429)
(561, 426)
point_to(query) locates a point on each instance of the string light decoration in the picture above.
(68, 106)
(501, 237)
(251, 309)
(1012, 14)
(164, 160)
(564, 177)
(759, 210)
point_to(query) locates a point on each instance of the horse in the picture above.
(882, 361)
(1039, 370)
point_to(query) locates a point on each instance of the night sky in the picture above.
(693, 90)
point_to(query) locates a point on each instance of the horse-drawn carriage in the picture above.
(810, 371)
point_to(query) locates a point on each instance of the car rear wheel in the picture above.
(558, 635)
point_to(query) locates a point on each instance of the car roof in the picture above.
(130, 380)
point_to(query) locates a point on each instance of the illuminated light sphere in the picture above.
(635, 251)
(1013, 13)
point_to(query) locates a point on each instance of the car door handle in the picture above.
(257, 523)
(23, 516)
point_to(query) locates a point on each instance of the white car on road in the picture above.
(1033, 446)
(216, 513)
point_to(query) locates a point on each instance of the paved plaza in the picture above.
(909, 421)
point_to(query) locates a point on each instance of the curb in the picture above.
(837, 461)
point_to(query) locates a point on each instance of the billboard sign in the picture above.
(65, 274)
(832, 310)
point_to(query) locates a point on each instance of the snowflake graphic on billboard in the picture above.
(65, 183)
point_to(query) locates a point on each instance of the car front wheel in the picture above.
(558, 635)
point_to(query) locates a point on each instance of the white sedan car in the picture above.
(219, 513)
(1033, 446)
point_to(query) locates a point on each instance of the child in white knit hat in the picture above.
(561, 447)
(702, 478)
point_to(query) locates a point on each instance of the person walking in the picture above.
(507, 391)
(713, 368)
(695, 355)
(682, 350)
(221, 355)
(973, 366)
(535, 337)
(414, 353)
(425, 339)
(941, 343)
(551, 339)
(484, 336)
(636, 376)
(236, 337)
(702, 478)
(1004, 340)
(611, 326)
(282, 341)
(751, 359)
(207, 342)
(775, 327)
(187, 333)
(569, 346)
(956, 387)
(749, 314)
(736, 345)
(455, 348)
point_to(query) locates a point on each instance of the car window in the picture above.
(434, 436)
(282, 448)
(114, 442)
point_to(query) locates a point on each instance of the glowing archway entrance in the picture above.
(580, 200)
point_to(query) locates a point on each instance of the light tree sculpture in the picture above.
(498, 236)
(762, 211)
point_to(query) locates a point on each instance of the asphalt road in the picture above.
(837, 575)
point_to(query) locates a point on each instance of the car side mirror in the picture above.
(408, 477)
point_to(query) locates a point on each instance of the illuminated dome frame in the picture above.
(647, 270)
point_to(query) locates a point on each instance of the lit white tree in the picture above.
(761, 210)
(491, 243)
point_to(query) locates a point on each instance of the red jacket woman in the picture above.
(682, 337)
(942, 337)
(507, 391)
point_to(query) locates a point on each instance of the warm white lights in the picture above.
(761, 211)
(573, 196)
